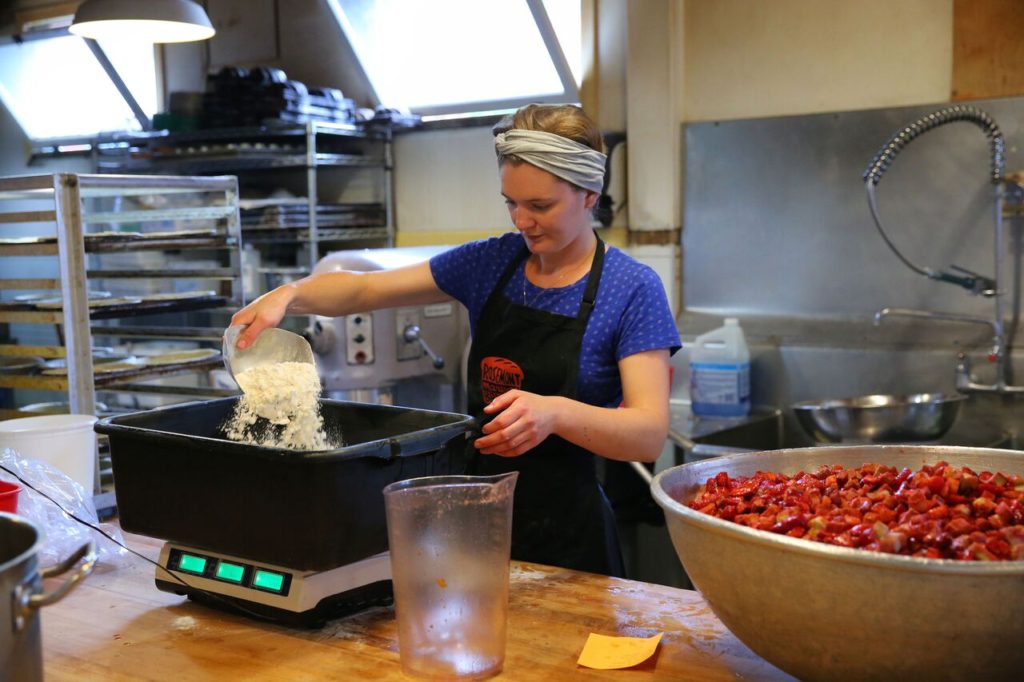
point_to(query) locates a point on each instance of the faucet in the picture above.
(976, 284)
(996, 355)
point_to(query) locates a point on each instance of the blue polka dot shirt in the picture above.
(631, 314)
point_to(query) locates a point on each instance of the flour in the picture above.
(186, 624)
(285, 394)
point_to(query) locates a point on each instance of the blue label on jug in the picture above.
(720, 389)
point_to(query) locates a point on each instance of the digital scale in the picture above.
(277, 593)
(300, 537)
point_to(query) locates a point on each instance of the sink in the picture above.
(761, 430)
(770, 428)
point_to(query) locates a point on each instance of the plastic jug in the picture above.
(720, 372)
(450, 539)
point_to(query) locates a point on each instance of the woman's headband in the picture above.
(564, 158)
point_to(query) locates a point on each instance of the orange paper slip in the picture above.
(609, 653)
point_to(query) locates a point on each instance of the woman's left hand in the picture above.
(524, 421)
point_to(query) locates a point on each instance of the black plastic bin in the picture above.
(176, 477)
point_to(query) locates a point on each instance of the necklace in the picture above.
(541, 291)
(533, 302)
(556, 286)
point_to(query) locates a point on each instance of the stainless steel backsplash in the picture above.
(777, 232)
(776, 221)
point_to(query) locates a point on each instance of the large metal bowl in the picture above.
(822, 612)
(879, 418)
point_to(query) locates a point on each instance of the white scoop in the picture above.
(272, 346)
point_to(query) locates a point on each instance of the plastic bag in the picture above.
(62, 535)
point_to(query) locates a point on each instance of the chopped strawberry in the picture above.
(938, 512)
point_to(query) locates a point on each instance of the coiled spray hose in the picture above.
(884, 158)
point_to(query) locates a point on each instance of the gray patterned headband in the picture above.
(564, 158)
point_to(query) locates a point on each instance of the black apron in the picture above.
(560, 516)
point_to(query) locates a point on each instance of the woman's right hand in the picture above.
(266, 311)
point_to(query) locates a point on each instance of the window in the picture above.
(447, 57)
(56, 88)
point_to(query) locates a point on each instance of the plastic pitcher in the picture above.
(450, 539)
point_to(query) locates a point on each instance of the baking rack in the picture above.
(67, 223)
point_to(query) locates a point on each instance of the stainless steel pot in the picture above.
(21, 595)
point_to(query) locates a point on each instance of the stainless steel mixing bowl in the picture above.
(822, 612)
(879, 418)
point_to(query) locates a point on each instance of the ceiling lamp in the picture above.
(153, 21)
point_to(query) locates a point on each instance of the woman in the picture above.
(571, 339)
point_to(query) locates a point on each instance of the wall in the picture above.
(310, 47)
(777, 219)
(14, 146)
(698, 60)
(987, 49)
(689, 60)
(446, 186)
(754, 59)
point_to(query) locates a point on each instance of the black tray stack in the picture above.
(239, 97)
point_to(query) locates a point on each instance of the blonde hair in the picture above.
(566, 120)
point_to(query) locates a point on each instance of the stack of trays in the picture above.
(328, 215)
(249, 97)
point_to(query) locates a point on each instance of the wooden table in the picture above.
(117, 626)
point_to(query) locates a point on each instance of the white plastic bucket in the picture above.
(65, 441)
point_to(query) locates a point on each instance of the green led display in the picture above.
(230, 572)
(192, 563)
(267, 580)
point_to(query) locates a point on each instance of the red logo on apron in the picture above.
(498, 375)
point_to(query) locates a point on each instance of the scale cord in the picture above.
(120, 544)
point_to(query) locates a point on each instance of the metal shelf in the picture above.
(68, 204)
(345, 234)
(258, 152)
(197, 391)
(173, 333)
(121, 310)
(110, 380)
(241, 163)
(51, 248)
(252, 133)
(43, 187)
(204, 273)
